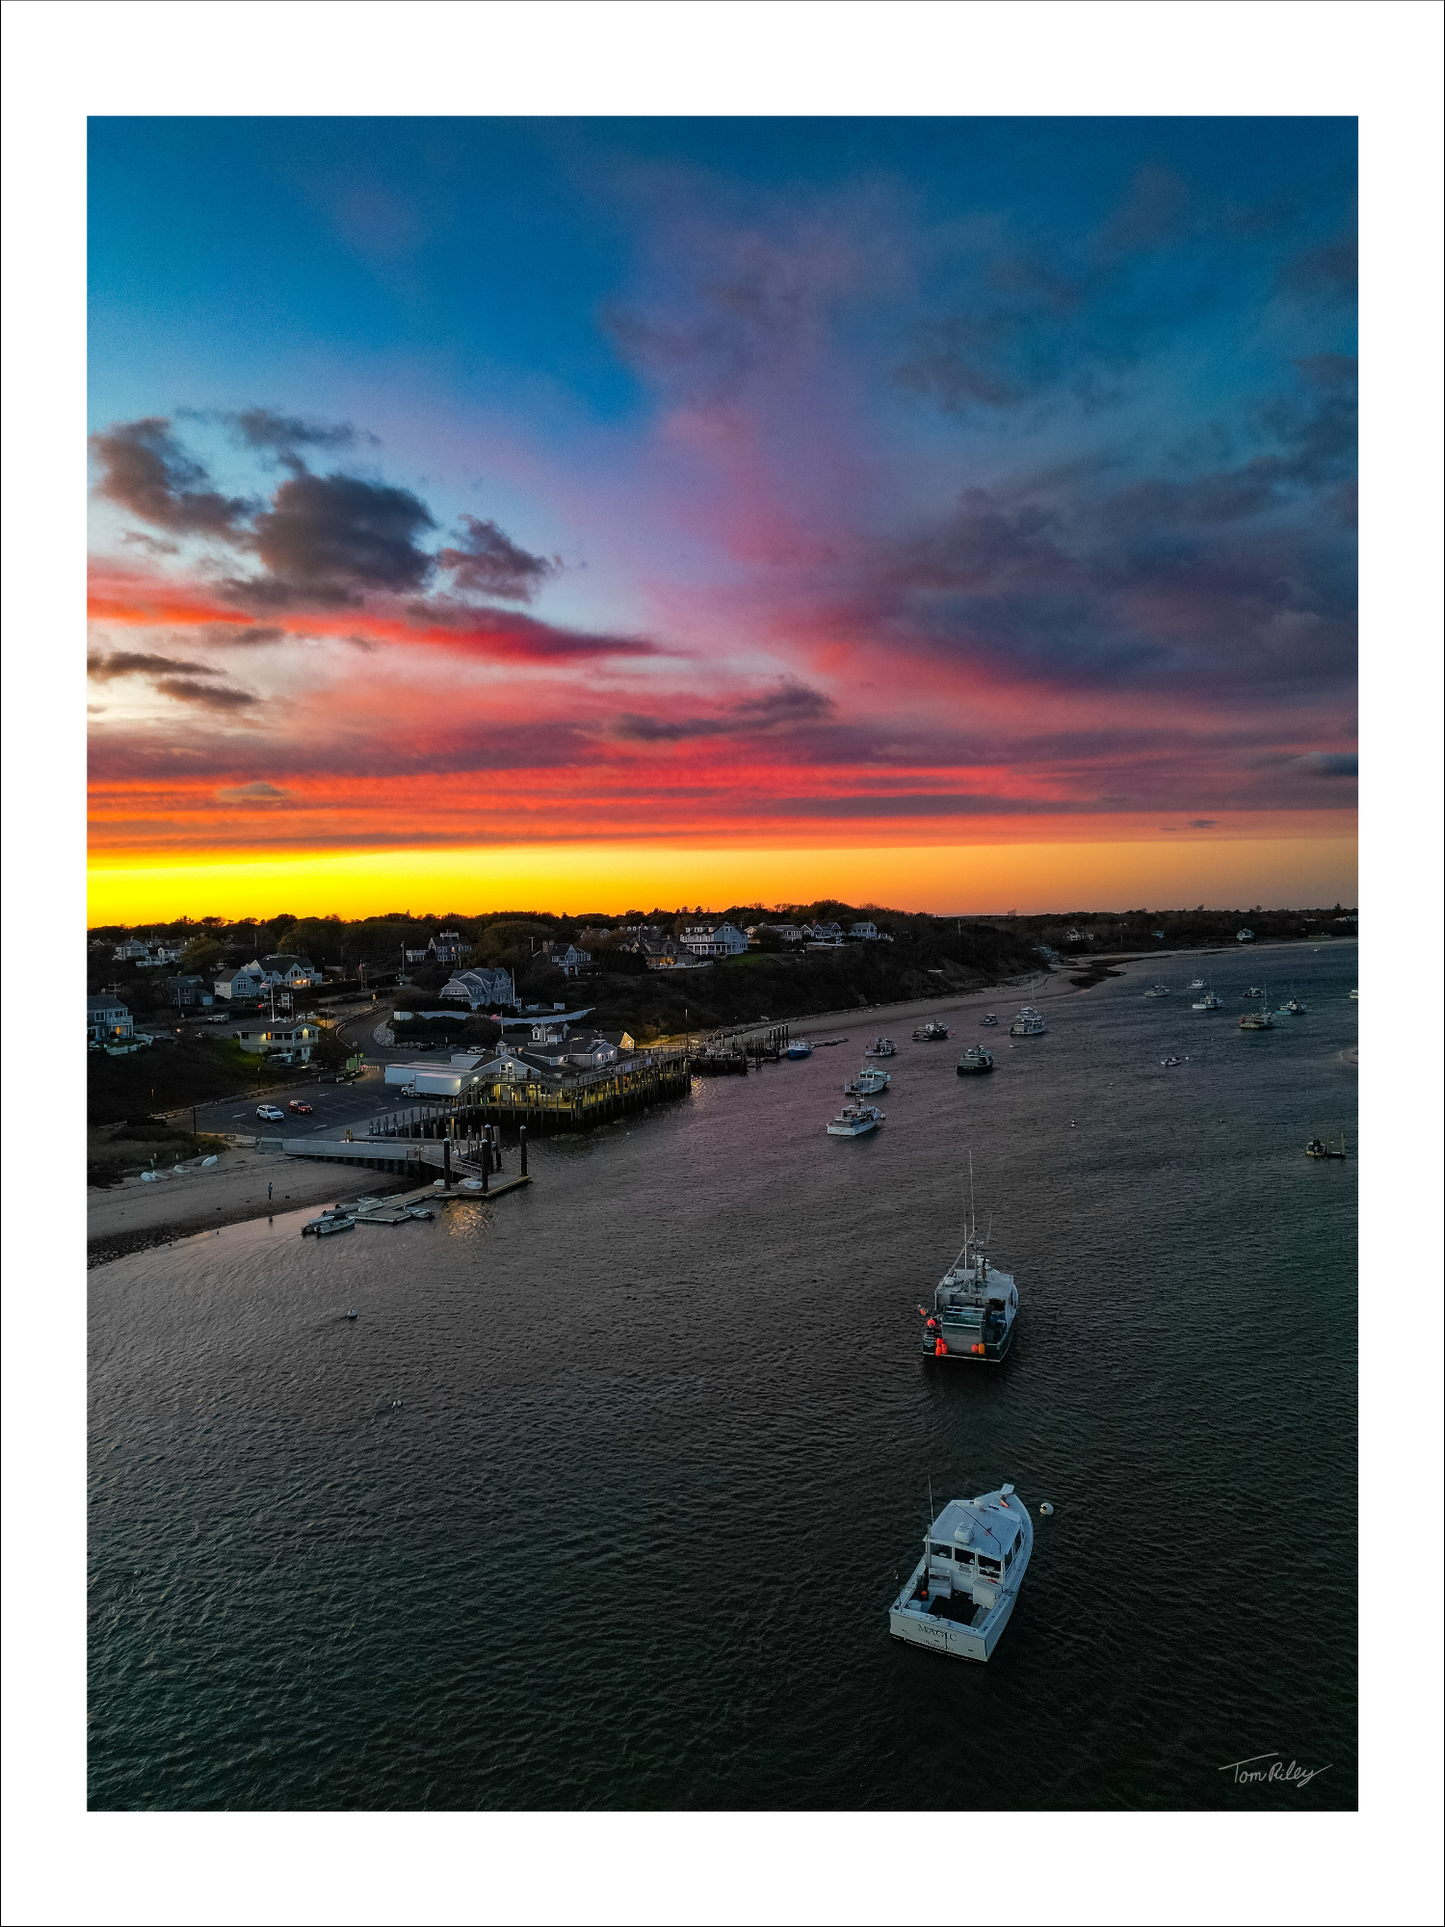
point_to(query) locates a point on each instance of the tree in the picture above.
(200, 956)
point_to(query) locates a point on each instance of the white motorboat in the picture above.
(330, 1221)
(869, 1082)
(881, 1047)
(856, 1120)
(988, 1020)
(934, 1033)
(1292, 1007)
(1157, 990)
(1195, 983)
(1209, 1002)
(963, 1590)
(1028, 1023)
(975, 1060)
(799, 1047)
(974, 1307)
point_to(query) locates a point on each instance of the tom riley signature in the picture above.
(1262, 1768)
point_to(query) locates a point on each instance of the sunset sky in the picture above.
(949, 514)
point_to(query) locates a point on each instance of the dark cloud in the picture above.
(282, 435)
(145, 471)
(242, 635)
(488, 562)
(253, 794)
(204, 694)
(152, 544)
(125, 663)
(340, 531)
(1329, 272)
(1324, 762)
(1203, 823)
(791, 703)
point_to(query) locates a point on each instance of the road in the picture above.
(334, 1106)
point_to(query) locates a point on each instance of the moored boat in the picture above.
(328, 1222)
(881, 1047)
(1195, 983)
(869, 1082)
(1157, 990)
(974, 1307)
(1028, 1023)
(933, 1033)
(988, 1020)
(1261, 1019)
(1209, 1002)
(1318, 1148)
(974, 1060)
(963, 1590)
(856, 1120)
(799, 1047)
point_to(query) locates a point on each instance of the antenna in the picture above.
(972, 1208)
(930, 1502)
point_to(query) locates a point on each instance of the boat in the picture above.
(351, 1315)
(856, 1120)
(1317, 1149)
(988, 1019)
(869, 1082)
(1293, 1007)
(975, 1059)
(1028, 1023)
(974, 1307)
(1209, 1002)
(1253, 991)
(1171, 1063)
(934, 1033)
(329, 1221)
(881, 1047)
(1261, 1019)
(419, 1211)
(1157, 990)
(1354, 993)
(964, 1588)
(471, 1184)
(799, 1047)
(1195, 983)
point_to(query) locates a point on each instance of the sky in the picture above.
(952, 514)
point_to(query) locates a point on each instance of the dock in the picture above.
(396, 1209)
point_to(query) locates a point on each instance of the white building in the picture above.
(236, 986)
(714, 940)
(291, 1043)
(451, 947)
(107, 1020)
(863, 932)
(480, 989)
(784, 932)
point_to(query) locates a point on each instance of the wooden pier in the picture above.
(573, 1101)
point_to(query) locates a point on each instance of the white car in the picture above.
(270, 1114)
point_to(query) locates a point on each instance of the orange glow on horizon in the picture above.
(1220, 871)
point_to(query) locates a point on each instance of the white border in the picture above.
(1378, 60)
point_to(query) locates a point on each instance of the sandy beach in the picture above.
(132, 1216)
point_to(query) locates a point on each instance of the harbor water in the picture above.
(601, 1499)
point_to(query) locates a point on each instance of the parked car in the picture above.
(301, 1110)
(221, 1017)
(270, 1113)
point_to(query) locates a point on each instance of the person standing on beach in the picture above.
(268, 1194)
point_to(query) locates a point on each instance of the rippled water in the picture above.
(664, 1441)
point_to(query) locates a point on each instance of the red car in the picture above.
(302, 1110)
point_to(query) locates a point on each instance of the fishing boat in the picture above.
(1253, 991)
(328, 1222)
(799, 1047)
(1172, 1063)
(1195, 983)
(1260, 1019)
(931, 1034)
(869, 1082)
(1028, 1023)
(974, 1306)
(1292, 1007)
(1157, 990)
(964, 1588)
(988, 1020)
(881, 1047)
(1209, 1002)
(1317, 1148)
(974, 1060)
(856, 1120)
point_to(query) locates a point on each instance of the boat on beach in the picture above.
(881, 1047)
(856, 1120)
(1028, 1023)
(988, 1020)
(975, 1060)
(799, 1047)
(963, 1590)
(933, 1033)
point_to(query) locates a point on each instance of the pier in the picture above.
(573, 1101)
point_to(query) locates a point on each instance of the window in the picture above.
(989, 1568)
(942, 1552)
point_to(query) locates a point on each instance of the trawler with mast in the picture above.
(974, 1303)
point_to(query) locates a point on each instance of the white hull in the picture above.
(853, 1130)
(943, 1636)
(984, 1610)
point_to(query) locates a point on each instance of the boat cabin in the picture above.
(974, 1294)
(973, 1544)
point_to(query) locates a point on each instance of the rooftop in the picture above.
(992, 1523)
